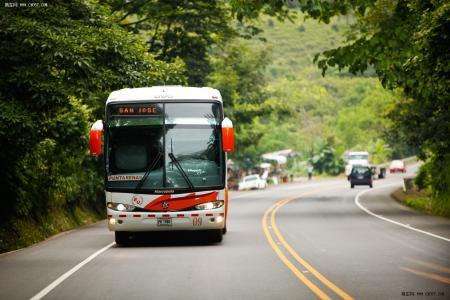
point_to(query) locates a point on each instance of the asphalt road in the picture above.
(297, 241)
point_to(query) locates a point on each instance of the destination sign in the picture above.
(136, 110)
(124, 177)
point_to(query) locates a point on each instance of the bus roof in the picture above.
(165, 93)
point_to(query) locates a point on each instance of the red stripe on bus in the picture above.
(137, 216)
(166, 216)
(122, 216)
(180, 215)
(209, 215)
(180, 203)
(194, 215)
(151, 216)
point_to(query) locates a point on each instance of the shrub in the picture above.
(58, 65)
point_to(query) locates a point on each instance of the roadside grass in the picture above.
(20, 233)
(423, 201)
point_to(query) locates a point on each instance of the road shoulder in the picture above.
(379, 202)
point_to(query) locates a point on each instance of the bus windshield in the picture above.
(176, 144)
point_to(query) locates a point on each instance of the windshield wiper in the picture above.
(147, 172)
(183, 174)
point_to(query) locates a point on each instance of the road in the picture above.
(304, 240)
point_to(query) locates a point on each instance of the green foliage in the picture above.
(56, 62)
(238, 72)
(179, 29)
(419, 203)
(422, 180)
(327, 160)
(351, 109)
(423, 201)
(407, 43)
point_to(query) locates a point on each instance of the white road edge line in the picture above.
(407, 226)
(66, 275)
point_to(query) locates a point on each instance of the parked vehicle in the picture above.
(253, 181)
(397, 166)
(378, 172)
(382, 173)
(361, 175)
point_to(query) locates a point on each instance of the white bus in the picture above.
(164, 150)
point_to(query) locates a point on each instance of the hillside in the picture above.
(339, 110)
(294, 45)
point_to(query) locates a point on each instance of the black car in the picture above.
(361, 175)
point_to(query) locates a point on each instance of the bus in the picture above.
(164, 150)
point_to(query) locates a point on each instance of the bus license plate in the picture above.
(164, 222)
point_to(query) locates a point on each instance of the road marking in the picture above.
(285, 260)
(300, 260)
(309, 269)
(66, 275)
(407, 226)
(430, 265)
(428, 275)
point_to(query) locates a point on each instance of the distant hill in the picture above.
(340, 109)
(294, 45)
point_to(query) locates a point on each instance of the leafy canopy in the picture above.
(58, 65)
(178, 29)
(406, 42)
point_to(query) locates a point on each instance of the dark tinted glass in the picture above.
(141, 136)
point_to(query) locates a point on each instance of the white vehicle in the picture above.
(397, 166)
(355, 158)
(252, 182)
(164, 150)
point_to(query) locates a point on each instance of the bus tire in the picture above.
(122, 238)
(215, 235)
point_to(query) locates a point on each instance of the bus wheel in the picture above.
(122, 238)
(216, 235)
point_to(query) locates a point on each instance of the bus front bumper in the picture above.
(166, 221)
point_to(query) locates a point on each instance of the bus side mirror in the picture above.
(96, 139)
(227, 135)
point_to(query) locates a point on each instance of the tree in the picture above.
(58, 65)
(238, 72)
(327, 160)
(183, 29)
(406, 42)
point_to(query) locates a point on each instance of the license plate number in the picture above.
(164, 222)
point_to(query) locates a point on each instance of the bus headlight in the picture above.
(120, 206)
(209, 205)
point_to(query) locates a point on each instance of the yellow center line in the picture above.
(285, 260)
(300, 260)
(272, 211)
